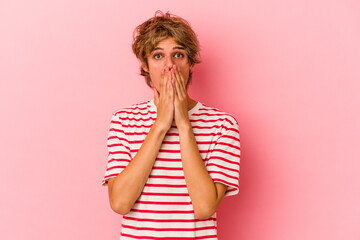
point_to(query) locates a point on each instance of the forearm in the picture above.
(201, 187)
(128, 185)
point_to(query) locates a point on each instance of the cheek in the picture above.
(155, 76)
(185, 73)
(155, 82)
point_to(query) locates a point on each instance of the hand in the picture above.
(165, 101)
(181, 99)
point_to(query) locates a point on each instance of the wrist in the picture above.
(184, 127)
(159, 128)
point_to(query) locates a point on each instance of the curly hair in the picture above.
(147, 35)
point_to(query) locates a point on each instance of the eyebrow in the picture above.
(158, 48)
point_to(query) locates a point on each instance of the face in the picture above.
(167, 54)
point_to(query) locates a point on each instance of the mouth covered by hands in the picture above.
(172, 100)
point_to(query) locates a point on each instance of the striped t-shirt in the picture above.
(164, 209)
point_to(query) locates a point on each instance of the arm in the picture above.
(125, 188)
(204, 193)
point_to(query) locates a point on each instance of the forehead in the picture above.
(168, 44)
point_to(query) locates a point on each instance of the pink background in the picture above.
(287, 70)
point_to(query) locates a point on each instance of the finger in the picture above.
(164, 84)
(173, 84)
(171, 90)
(180, 76)
(175, 90)
(180, 84)
(168, 85)
(184, 88)
(172, 75)
(178, 88)
(175, 96)
(176, 74)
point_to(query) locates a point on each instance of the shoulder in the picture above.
(217, 114)
(140, 108)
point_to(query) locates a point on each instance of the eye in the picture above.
(157, 56)
(179, 55)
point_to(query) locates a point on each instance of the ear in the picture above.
(143, 65)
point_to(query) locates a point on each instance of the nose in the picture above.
(169, 62)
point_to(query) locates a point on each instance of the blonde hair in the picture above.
(147, 35)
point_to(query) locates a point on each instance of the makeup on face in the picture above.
(167, 56)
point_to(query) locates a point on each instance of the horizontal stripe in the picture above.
(136, 113)
(211, 120)
(168, 220)
(163, 211)
(166, 238)
(198, 143)
(223, 159)
(173, 142)
(166, 185)
(118, 160)
(226, 182)
(165, 194)
(229, 145)
(169, 159)
(168, 168)
(175, 127)
(111, 175)
(209, 114)
(231, 137)
(166, 177)
(168, 229)
(220, 166)
(172, 134)
(163, 203)
(118, 145)
(137, 119)
(117, 130)
(121, 152)
(117, 138)
(110, 168)
(179, 151)
(227, 175)
(231, 129)
(231, 190)
(137, 106)
(165, 197)
(226, 152)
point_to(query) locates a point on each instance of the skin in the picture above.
(169, 68)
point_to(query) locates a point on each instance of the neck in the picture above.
(191, 103)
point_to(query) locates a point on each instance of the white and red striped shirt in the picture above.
(164, 209)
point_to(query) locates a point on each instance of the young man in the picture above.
(171, 159)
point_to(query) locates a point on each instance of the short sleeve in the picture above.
(223, 165)
(118, 150)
